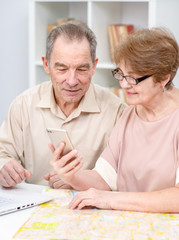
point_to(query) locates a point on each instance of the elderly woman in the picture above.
(139, 168)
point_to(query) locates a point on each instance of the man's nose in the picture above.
(72, 79)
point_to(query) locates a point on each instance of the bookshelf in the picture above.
(98, 15)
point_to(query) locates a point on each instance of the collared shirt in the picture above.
(23, 134)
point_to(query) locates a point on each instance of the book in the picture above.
(60, 21)
(117, 33)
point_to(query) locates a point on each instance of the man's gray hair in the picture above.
(72, 31)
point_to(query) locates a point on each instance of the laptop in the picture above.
(15, 199)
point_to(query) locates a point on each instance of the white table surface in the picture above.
(10, 223)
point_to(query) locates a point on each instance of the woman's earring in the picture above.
(163, 89)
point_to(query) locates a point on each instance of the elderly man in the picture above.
(69, 101)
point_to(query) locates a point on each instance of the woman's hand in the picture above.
(65, 165)
(93, 198)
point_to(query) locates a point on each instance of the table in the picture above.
(53, 220)
(10, 223)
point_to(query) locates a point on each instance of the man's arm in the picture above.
(12, 146)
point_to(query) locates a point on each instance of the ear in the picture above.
(45, 65)
(167, 79)
(94, 65)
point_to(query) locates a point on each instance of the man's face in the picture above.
(71, 70)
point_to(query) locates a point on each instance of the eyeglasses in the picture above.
(118, 74)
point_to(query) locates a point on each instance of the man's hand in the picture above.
(55, 181)
(13, 173)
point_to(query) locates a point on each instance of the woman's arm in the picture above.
(85, 179)
(166, 200)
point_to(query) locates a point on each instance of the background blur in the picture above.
(14, 46)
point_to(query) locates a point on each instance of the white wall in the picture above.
(170, 19)
(14, 45)
(13, 51)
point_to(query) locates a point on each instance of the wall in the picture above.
(14, 45)
(13, 50)
(167, 18)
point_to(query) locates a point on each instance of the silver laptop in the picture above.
(15, 199)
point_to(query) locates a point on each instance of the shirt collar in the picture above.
(46, 96)
(87, 104)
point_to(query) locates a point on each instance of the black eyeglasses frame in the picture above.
(137, 80)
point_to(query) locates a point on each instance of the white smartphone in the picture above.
(60, 135)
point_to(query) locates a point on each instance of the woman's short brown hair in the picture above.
(150, 51)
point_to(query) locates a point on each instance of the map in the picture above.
(54, 221)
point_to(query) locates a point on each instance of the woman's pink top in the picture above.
(141, 156)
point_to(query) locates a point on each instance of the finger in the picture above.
(18, 168)
(58, 152)
(58, 184)
(85, 203)
(27, 173)
(61, 167)
(14, 171)
(65, 186)
(17, 177)
(21, 173)
(65, 176)
(76, 200)
(55, 181)
(75, 169)
(51, 147)
(63, 160)
(69, 157)
(53, 173)
(6, 179)
(54, 178)
(47, 176)
(2, 181)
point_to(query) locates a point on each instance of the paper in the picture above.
(54, 220)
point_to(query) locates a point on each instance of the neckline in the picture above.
(155, 121)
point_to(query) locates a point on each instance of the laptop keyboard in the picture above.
(4, 201)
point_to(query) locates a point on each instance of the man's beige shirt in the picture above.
(23, 134)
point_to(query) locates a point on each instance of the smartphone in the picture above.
(60, 135)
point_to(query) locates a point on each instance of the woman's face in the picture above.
(144, 93)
